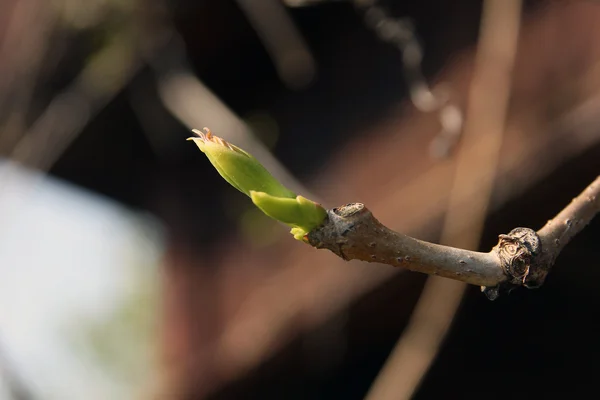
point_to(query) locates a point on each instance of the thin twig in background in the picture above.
(488, 103)
(287, 48)
(30, 26)
(66, 115)
(400, 33)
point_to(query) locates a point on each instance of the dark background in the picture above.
(528, 344)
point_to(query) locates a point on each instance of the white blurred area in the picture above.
(78, 291)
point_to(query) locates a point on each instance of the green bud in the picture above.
(302, 214)
(237, 167)
(247, 175)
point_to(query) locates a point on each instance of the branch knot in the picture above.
(517, 252)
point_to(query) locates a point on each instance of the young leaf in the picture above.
(247, 175)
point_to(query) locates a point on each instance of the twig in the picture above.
(560, 230)
(287, 48)
(352, 232)
(523, 257)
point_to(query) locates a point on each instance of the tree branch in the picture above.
(521, 258)
(352, 232)
(570, 221)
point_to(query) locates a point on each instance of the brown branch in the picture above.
(352, 232)
(521, 258)
(570, 221)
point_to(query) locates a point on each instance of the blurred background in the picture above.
(130, 270)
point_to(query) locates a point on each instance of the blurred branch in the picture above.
(30, 26)
(400, 32)
(66, 115)
(293, 60)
